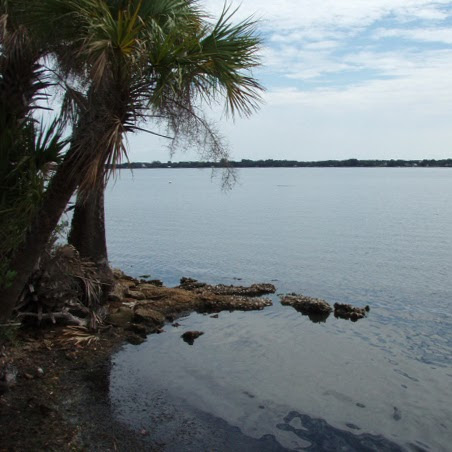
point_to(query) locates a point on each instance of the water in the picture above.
(272, 379)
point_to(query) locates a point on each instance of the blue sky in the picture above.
(344, 79)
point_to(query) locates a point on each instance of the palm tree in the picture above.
(137, 60)
(25, 149)
(198, 60)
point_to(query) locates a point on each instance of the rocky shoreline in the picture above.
(141, 307)
(54, 381)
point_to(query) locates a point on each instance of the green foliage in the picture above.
(27, 148)
(25, 165)
(140, 59)
(119, 63)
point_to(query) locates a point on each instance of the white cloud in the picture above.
(336, 89)
(298, 14)
(439, 35)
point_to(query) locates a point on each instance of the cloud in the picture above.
(345, 78)
(438, 35)
(305, 14)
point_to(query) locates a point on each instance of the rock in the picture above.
(316, 309)
(190, 284)
(152, 282)
(134, 339)
(120, 275)
(349, 312)
(117, 293)
(136, 294)
(255, 290)
(139, 329)
(176, 325)
(215, 316)
(146, 313)
(217, 303)
(120, 317)
(171, 301)
(190, 336)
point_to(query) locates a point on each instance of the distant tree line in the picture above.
(271, 163)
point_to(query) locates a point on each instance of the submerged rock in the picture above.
(316, 309)
(349, 312)
(190, 336)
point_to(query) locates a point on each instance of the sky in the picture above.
(366, 79)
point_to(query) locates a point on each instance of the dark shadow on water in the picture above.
(324, 437)
(314, 318)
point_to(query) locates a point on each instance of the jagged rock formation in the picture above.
(349, 312)
(255, 290)
(138, 302)
(316, 309)
(190, 336)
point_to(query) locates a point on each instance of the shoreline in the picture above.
(58, 397)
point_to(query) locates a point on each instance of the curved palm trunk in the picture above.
(57, 196)
(62, 186)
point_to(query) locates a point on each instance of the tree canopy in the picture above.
(117, 64)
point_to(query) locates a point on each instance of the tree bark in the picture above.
(87, 233)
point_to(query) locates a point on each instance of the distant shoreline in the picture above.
(270, 163)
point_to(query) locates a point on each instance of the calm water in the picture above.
(272, 379)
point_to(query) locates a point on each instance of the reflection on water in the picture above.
(361, 236)
(273, 374)
(320, 436)
(313, 317)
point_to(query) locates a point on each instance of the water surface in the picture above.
(363, 236)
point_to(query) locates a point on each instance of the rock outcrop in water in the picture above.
(349, 312)
(255, 290)
(190, 336)
(316, 309)
(149, 305)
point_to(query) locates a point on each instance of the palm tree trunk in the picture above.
(61, 187)
(87, 233)
(25, 259)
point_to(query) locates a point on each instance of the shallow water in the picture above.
(272, 379)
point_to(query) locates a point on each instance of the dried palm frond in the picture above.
(65, 288)
(78, 336)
